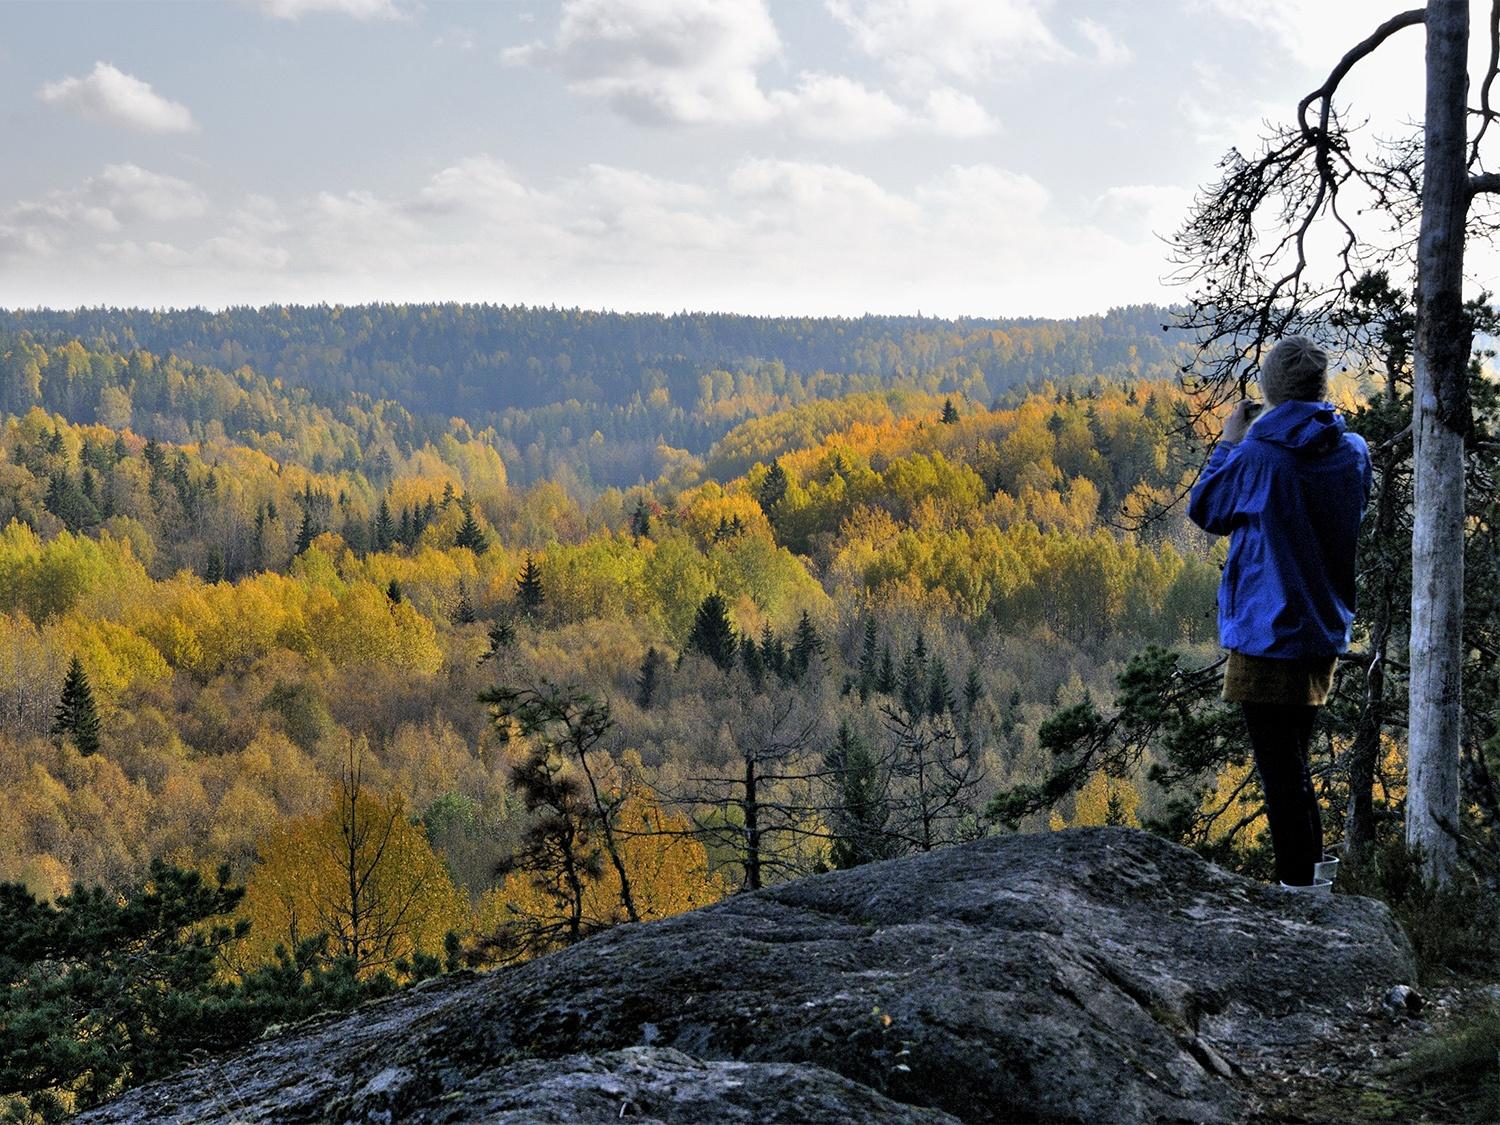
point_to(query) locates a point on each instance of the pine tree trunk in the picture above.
(1440, 418)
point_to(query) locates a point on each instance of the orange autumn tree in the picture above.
(361, 872)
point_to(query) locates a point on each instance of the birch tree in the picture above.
(1408, 203)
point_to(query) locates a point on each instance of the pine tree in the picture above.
(869, 658)
(213, 567)
(772, 489)
(772, 652)
(939, 690)
(640, 520)
(973, 690)
(713, 633)
(448, 494)
(755, 666)
(384, 531)
(649, 679)
(807, 647)
(153, 455)
(470, 534)
(77, 718)
(529, 592)
(885, 678)
(306, 533)
(393, 592)
(950, 412)
(463, 611)
(502, 636)
(912, 684)
(860, 812)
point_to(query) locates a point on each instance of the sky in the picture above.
(820, 157)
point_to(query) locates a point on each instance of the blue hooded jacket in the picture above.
(1290, 497)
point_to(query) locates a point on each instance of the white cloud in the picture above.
(120, 197)
(110, 95)
(794, 194)
(926, 40)
(134, 194)
(835, 108)
(673, 62)
(696, 62)
(766, 235)
(358, 9)
(832, 107)
(956, 114)
(1315, 34)
(1143, 208)
(1108, 48)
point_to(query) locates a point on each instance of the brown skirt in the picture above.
(1262, 679)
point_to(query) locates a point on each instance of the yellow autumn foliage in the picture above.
(359, 871)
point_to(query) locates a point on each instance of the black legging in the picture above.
(1281, 734)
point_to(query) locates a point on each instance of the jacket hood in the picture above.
(1303, 427)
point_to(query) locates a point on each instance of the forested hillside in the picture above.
(547, 380)
(428, 710)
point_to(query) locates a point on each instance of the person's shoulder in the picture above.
(1355, 442)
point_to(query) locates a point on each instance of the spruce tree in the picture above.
(713, 633)
(649, 679)
(950, 412)
(470, 534)
(755, 666)
(773, 652)
(306, 533)
(77, 718)
(502, 635)
(463, 611)
(869, 658)
(393, 592)
(772, 489)
(973, 690)
(529, 592)
(912, 684)
(384, 531)
(640, 520)
(885, 678)
(939, 690)
(807, 647)
(859, 812)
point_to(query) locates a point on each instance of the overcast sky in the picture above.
(980, 157)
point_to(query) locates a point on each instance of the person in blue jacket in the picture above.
(1289, 487)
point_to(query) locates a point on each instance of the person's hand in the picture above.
(1239, 421)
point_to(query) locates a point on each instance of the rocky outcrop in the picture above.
(1101, 974)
